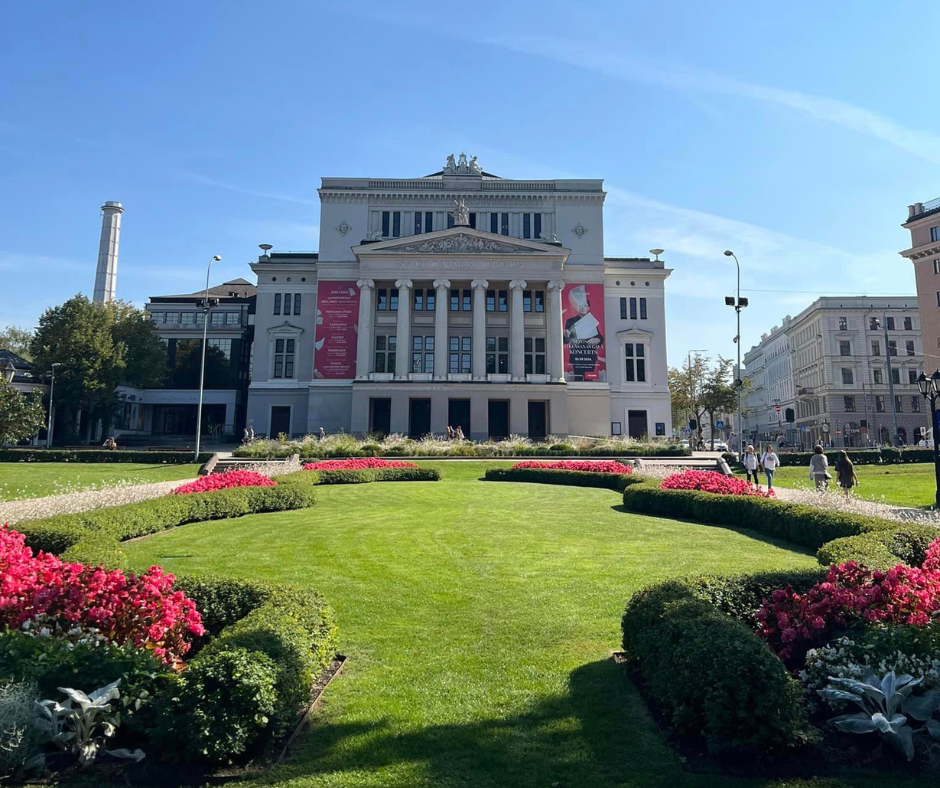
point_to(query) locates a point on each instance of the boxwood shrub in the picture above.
(100, 455)
(610, 481)
(882, 549)
(364, 476)
(58, 533)
(708, 672)
(799, 523)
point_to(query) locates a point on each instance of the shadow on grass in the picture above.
(599, 734)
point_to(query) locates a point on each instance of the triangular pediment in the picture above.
(460, 240)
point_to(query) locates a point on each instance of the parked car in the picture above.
(720, 446)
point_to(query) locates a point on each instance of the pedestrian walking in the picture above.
(769, 462)
(458, 433)
(845, 473)
(750, 465)
(819, 469)
(322, 434)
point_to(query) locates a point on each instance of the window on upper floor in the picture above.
(504, 224)
(845, 347)
(915, 403)
(909, 346)
(497, 355)
(912, 377)
(878, 376)
(898, 400)
(843, 324)
(849, 403)
(874, 324)
(880, 403)
(417, 299)
(847, 377)
(935, 233)
(494, 222)
(889, 321)
(385, 347)
(936, 266)
(533, 300)
(896, 376)
(189, 318)
(225, 345)
(234, 318)
(642, 309)
(635, 362)
(876, 347)
(459, 356)
(534, 350)
(277, 303)
(422, 354)
(892, 347)
(284, 358)
(908, 324)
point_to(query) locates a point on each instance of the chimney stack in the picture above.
(106, 274)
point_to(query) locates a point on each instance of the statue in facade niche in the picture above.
(461, 213)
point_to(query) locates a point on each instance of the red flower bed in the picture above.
(223, 481)
(592, 466)
(712, 482)
(794, 623)
(359, 464)
(51, 597)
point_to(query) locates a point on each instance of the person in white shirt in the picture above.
(750, 465)
(769, 462)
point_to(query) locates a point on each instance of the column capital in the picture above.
(556, 284)
(479, 284)
(365, 284)
(445, 283)
(518, 284)
(403, 284)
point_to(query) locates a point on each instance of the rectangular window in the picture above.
(912, 376)
(880, 403)
(396, 224)
(450, 220)
(847, 377)
(502, 300)
(538, 226)
(635, 367)
(935, 233)
(845, 348)
(385, 223)
(381, 300)
(642, 309)
(385, 346)
(393, 299)
(284, 358)
(418, 299)
(849, 403)
(459, 358)
(430, 299)
(422, 354)
(504, 224)
(526, 226)
(890, 323)
(225, 345)
(490, 300)
(843, 324)
(428, 222)
(200, 318)
(892, 347)
(898, 403)
(896, 376)
(936, 266)
(534, 352)
(909, 347)
(494, 222)
(286, 303)
(915, 404)
(633, 309)
(189, 318)
(526, 300)
(454, 300)
(217, 319)
(878, 376)
(417, 230)
(467, 301)
(277, 303)
(497, 355)
(539, 300)
(938, 298)
(623, 308)
(873, 324)
(473, 220)
(234, 318)
(908, 324)
(876, 347)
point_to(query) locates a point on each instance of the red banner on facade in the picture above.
(583, 315)
(336, 340)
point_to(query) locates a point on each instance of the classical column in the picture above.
(517, 331)
(441, 301)
(403, 330)
(479, 328)
(556, 352)
(364, 342)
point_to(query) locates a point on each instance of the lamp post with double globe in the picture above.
(738, 305)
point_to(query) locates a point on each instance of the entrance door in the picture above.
(458, 415)
(280, 420)
(636, 424)
(538, 420)
(419, 417)
(499, 419)
(380, 416)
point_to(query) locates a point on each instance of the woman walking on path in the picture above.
(750, 465)
(769, 462)
(845, 473)
(819, 469)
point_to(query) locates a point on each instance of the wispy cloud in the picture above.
(195, 177)
(677, 76)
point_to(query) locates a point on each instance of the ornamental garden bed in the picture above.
(577, 473)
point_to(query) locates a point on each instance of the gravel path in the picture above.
(83, 501)
(835, 500)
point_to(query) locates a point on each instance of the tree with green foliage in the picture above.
(188, 363)
(145, 357)
(686, 387)
(718, 392)
(21, 415)
(16, 340)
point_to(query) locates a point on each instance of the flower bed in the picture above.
(712, 482)
(356, 464)
(224, 481)
(537, 474)
(589, 466)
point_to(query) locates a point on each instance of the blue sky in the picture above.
(794, 133)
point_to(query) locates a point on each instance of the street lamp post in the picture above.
(51, 393)
(738, 305)
(930, 388)
(202, 367)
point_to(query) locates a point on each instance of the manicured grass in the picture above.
(478, 619)
(38, 479)
(903, 485)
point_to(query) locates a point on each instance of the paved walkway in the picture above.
(835, 500)
(83, 501)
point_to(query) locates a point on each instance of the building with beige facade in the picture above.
(923, 222)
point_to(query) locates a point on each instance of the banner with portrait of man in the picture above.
(583, 316)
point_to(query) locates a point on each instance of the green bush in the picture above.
(798, 523)
(858, 457)
(883, 549)
(58, 533)
(610, 481)
(711, 675)
(222, 601)
(218, 708)
(364, 476)
(100, 455)
(97, 549)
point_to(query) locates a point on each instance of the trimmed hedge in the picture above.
(467, 450)
(58, 533)
(222, 707)
(610, 481)
(364, 476)
(799, 523)
(711, 675)
(100, 455)
(883, 549)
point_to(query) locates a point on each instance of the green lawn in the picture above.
(904, 485)
(37, 479)
(478, 619)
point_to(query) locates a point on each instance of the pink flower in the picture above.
(224, 481)
(358, 464)
(712, 482)
(591, 466)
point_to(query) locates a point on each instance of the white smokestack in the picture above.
(106, 274)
